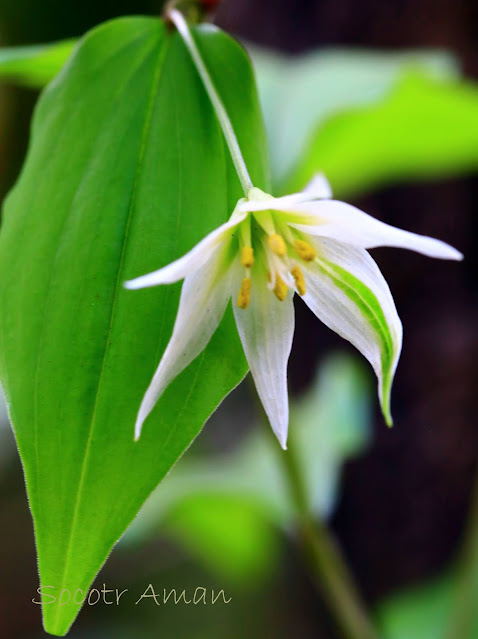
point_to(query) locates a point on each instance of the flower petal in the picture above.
(190, 262)
(318, 188)
(204, 297)
(257, 200)
(346, 223)
(348, 293)
(266, 330)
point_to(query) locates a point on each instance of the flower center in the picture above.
(278, 250)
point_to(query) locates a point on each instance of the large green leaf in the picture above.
(127, 170)
(424, 128)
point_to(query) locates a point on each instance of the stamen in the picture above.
(280, 289)
(304, 250)
(299, 279)
(277, 244)
(247, 256)
(244, 297)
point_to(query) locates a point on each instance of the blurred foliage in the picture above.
(34, 66)
(426, 611)
(444, 607)
(420, 612)
(424, 128)
(299, 94)
(228, 534)
(366, 119)
(225, 510)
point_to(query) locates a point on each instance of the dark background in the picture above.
(404, 503)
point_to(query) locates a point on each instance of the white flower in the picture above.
(270, 248)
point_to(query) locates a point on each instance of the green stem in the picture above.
(183, 29)
(325, 561)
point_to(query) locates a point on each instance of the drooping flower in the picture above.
(270, 248)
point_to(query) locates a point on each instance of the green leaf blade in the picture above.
(121, 178)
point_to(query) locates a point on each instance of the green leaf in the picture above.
(300, 94)
(126, 171)
(227, 533)
(425, 128)
(34, 66)
(420, 612)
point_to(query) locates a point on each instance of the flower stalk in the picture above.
(324, 560)
(181, 25)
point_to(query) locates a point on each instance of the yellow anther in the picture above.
(280, 288)
(299, 279)
(277, 244)
(247, 256)
(304, 250)
(244, 297)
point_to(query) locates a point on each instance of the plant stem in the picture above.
(325, 561)
(182, 26)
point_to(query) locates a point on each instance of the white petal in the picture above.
(190, 262)
(353, 310)
(260, 201)
(204, 297)
(266, 330)
(346, 223)
(318, 188)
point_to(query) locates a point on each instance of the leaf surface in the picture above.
(126, 171)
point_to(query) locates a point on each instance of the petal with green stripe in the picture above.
(347, 292)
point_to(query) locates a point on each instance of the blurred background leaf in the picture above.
(34, 66)
(420, 612)
(300, 93)
(425, 611)
(423, 128)
(225, 509)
